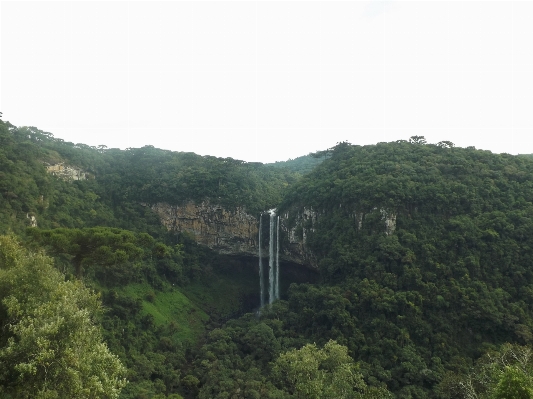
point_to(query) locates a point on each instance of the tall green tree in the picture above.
(503, 374)
(50, 342)
(327, 373)
(513, 384)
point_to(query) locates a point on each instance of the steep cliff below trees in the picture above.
(227, 232)
(299, 224)
(295, 227)
(237, 232)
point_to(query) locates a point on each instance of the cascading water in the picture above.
(273, 261)
(276, 288)
(271, 256)
(261, 274)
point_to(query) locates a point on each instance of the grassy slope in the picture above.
(224, 295)
(167, 306)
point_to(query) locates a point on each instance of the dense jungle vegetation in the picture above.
(160, 292)
(100, 301)
(303, 164)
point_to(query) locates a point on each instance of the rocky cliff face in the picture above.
(33, 219)
(227, 232)
(231, 232)
(295, 249)
(237, 232)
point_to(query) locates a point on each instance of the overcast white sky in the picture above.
(266, 81)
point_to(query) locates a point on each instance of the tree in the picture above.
(505, 374)
(514, 384)
(107, 250)
(50, 343)
(327, 373)
(417, 140)
(446, 144)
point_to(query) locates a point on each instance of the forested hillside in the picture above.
(160, 291)
(121, 180)
(303, 164)
(453, 279)
(423, 254)
(418, 305)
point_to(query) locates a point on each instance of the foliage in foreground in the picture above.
(503, 374)
(327, 373)
(453, 280)
(50, 343)
(259, 358)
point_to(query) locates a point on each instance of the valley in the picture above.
(407, 262)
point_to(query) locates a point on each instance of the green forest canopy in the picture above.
(412, 308)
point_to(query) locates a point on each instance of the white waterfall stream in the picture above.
(276, 287)
(261, 274)
(273, 259)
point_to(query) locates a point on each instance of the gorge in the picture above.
(413, 257)
(234, 232)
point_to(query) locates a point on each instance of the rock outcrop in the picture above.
(227, 232)
(66, 172)
(32, 218)
(235, 232)
(295, 249)
(390, 221)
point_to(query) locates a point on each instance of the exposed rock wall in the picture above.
(296, 250)
(227, 232)
(390, 221)
(33, 219)
(306, 218)
(66, 172)
(237, 232)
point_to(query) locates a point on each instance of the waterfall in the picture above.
(261, 274)
(273, 259)
(276, 289)
(271, 256)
